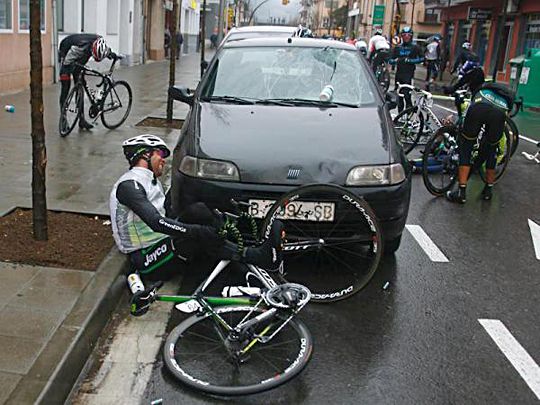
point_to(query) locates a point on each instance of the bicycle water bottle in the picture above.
(326, 93)
(135, 283)
(240, 291)
(9, 108)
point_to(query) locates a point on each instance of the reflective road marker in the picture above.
(535, 234)
(514, 352)
(426, 243)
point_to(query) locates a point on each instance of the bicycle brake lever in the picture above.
(238, 204)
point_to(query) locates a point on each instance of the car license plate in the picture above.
(299, 210)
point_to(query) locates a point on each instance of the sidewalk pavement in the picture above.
(50, 318)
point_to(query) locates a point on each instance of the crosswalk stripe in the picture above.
(426, 243)
(535, 235)
(514, 352)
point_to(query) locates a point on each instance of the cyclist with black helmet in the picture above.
(157, 245)
(76, 50)
(406, 56)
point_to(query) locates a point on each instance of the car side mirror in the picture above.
(204, 65)
(181, 94)
(391, 100)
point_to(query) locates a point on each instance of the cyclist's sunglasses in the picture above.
(406, 34)
(161, 153)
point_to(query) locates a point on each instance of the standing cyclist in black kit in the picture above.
(406, 56)
(157, 246)
(77, 49)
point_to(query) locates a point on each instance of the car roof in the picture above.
(294, 41)
(264, 28)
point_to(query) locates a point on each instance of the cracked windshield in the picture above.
(268, 73)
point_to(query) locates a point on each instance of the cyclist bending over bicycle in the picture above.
(76, 50)
(158, 245)
(378, 49)
(490, 105)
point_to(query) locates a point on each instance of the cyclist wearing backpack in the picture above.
(470, 75)
(406, 56)
(77, 49)
(378, 49)
(490, 105)
(466, 54)
(157, 245)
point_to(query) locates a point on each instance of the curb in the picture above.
(56, 370)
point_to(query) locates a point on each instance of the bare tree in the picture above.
(172, 61)
(39, 153)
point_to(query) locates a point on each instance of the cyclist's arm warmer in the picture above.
(132, 194)
(415, 56)
(393, 58)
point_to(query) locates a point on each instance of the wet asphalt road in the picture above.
(420, 341)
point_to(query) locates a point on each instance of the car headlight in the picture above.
(209, 169)
(384, 175)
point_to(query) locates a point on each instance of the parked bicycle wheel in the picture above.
(410, 124)
(440, 161)
(116, 105)
(333, 240)
(514, 132)
(69, 114)
(504, 153)
(198, 352)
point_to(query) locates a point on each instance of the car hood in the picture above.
(267, 142)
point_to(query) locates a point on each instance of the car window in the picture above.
(247, 35)
(290, 72)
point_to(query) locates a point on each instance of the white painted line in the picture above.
(528, 139)
(426, 243)
(514, 352)
(446, 108)
(535, 234)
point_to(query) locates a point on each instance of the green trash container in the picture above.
(516, 64)
(529, 79)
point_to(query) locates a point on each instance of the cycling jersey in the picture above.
(76, 48)
(406, 56)
(433, 51)
(376, 43)
(138, 214)
(463, 57)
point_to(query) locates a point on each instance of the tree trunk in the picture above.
(172, 62)
(39, 153)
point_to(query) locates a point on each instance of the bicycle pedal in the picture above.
(188, 307)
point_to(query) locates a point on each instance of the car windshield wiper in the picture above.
(228, 99)
(300, 101)
(275, 101)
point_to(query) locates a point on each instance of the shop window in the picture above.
(60, 15)
(504, 50)
(6, 15)
(532, 32)
(24, 15)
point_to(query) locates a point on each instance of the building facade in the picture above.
(15, 44)
(321, 16)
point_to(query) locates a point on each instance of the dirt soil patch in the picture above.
(160, 123)
(76, 241)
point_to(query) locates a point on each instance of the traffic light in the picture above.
(284, 2)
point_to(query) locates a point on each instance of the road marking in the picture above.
(535, 235)
(514, 352)
(446, 108)
(426, 243)
(528, 139)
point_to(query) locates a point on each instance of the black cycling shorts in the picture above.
(484, 113)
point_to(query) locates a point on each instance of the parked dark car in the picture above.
(257, 128)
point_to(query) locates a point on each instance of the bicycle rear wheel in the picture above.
(383, 78)
(440, 161)
(514, 132)
(116, 105)
(69, 114)
(333, 240)
(504, 154)
(410, 124)
(196, 354)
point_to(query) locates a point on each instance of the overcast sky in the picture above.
(274, 8)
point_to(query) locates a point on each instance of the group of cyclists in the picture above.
(158, 244)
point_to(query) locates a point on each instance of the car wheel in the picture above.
(392, 246)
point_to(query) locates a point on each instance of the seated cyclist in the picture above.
(490, 105)
(76, 49)
(378, 49)
(157, 245)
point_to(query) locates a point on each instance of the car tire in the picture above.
(392, 246)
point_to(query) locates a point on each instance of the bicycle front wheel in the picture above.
(333, 240)
(440, 161)
(410, 124)
(69, 114)
(198, 353)
(116, 105)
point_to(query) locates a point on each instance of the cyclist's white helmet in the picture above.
(466, 45)
(135, 147)
(100, 49)
(378, 31)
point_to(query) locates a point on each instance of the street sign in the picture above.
(476, 13)
(378, 15)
